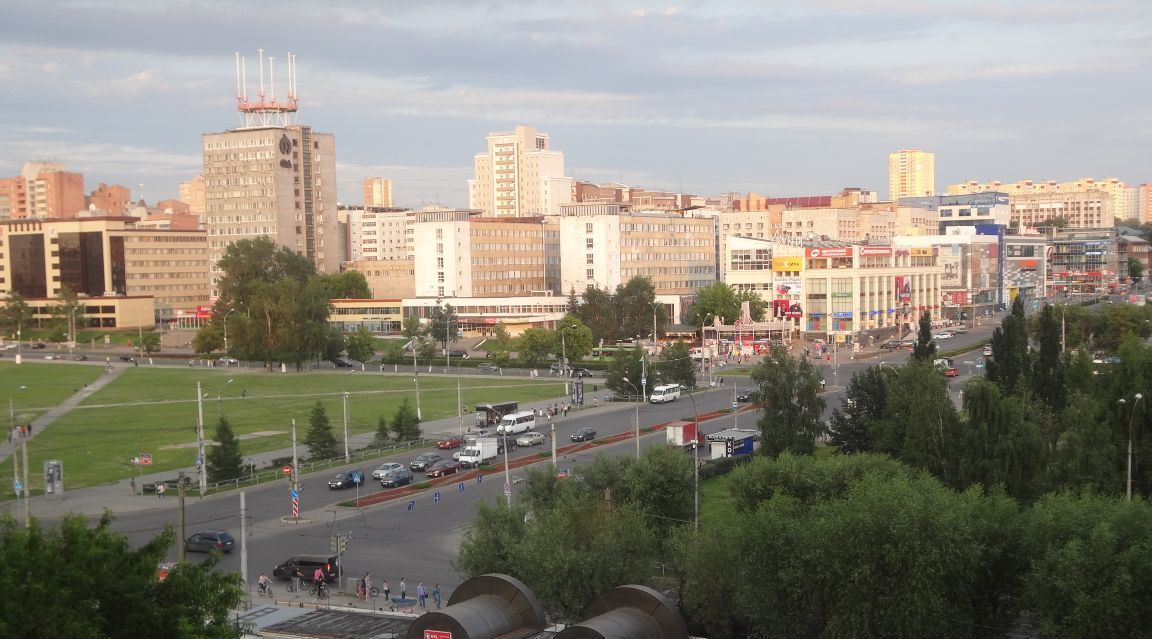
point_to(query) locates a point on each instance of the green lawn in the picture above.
(717, 508)
(154, 410)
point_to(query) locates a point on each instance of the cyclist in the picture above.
(318, 581)
(265, 585)
(297, 577)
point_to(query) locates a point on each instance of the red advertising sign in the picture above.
(903, 288)
(203, 312)
(437, 634)
(839, 251)
(875, 251)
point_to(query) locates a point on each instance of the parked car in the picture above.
(396, 477)
(951, 372)
(892, 345)
(987, 351)
(443, 468)
(458, 354)
(425, 461)
(341, 363)
(745, 396)
(584, 435)
(580, 373)
(210, 540)
(39, 345)
(487, 368)
(228, 361)
(346, 479)
(127, 358)
(450, 442)
(944, 335)
(530, 439)
(52, 356)
(384, 469)
(307, 564)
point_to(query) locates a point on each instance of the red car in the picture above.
(951, 372)
(453, 441)
(444, 468)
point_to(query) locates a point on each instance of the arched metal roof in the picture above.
(484, 607)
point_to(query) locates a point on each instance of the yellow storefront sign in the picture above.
(787, 263)
(923, 252)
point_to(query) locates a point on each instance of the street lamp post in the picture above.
(347, 454)
(416, 378)
(564, 359)
(705, 356)
(200, 461)
(636, 416)
(695, 465)
(229, 312)
(1131, 422)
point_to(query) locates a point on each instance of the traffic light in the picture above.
(338, 544)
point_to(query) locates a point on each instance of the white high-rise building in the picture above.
(911, 173)
(377, 233)
(519, 175)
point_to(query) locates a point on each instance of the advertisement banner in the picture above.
(875, 251)
(952, 277)
(1027, 265)
(903, 288)
(788, 286)
(923, 252)
(838, 251)
(787, 263)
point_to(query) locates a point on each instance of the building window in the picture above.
(591, 274)
(588, 227)
(589, 259)
(589, 243)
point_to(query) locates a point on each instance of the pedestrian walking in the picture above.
(386, 590)
(160, 490)
(421, 594)
(436, 595)
(132, 484)
(365, 584)
(29, 428)
(403, 589)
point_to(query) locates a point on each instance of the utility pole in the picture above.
(243, 538)
(295, 474)
(203, 477)
(180, 516)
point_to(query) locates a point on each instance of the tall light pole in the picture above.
(416, 377)
(705, 356)
(507, 472)
(200, 461)
(695, 464)
(636, 417)
(1131, 422)
(347, 454)
(564, 359)
(229, 312)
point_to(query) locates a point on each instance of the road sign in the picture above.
(295, 494)
(436, 497)
(437, 634)
(507, 489)
(733, 406)
(287, 469)
(146, 459)
(18, 486)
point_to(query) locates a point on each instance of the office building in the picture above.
(378, 192)
(379, 233)
(911, 172)
(1124, 199)
(968, 210)
(110, 200)
(519, 175)
(42, 190)
(387, 278)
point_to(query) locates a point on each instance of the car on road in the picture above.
(307, 565)
(52, 356)
(450, 442)
(745, 396)
(580, 373)
(425, 461)
(530, 439)
(459, 354)
(443, 468)
(127, 358)
(39, 345)
(396, 477)
(228, 361)
(987, 351)
(892, 345)
(944, 335)
(951, 372)
(210, 540)
(346, 479)
(79, 358)
(384, 469)
(487, 368)
(584, 435)
(341, 363)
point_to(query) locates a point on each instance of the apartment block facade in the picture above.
(110, 200)
(278, 181)
(42, 190)
(911, 172)
(519, 175)
(1077, 209)
(194, 195)
(378, 192)
(1124, 199)
(379, 233)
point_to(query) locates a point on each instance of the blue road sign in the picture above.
(436, 497)
(479, 478)
(461, 486)
(733, 405)
(411, 505)
(18, 486)
(295, 493)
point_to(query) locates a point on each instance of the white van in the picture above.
(517, 423)
(666, 393)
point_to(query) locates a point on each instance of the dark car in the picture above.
(579, 373)
(443, 467)
(424, 461)
(398, 477)
(346, 479)
(169, 485)
(79, 358)
(210, 540)
(892, 345)
(487, 368)
(458, 354)
(39, 345)
(341, 363)
(584, 435)
(127, 358)
(745, 396)
(307, 565)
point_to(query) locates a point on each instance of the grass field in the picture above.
(154, 410)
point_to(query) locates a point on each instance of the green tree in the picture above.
(15, 314)
(405, 423)
(1088, 455)
(660, 485)
(361, 344)
(864, 400)
(503, 338)
(638, 310)
(93, 583)
(1009, 365)
(714, 300)
(383, 433)
(224, 460)
(67, 312)
(349, 285)
(411, 328)
(320, 440)
(208, 339)
(599, 313)
(675, 365)
(1135, 269)
(1047, 378)
(925, 348)
(998, 445)
(627, 365)
(789, 393)
(920, 425)
(572, 339)
(150, 342)
(443, 324)
(534, 346)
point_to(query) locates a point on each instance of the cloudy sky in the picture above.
(778, 97)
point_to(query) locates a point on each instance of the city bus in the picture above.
(489, 414)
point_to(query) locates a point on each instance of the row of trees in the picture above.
(225, 461)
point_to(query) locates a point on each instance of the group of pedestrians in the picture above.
(19, 430)
(364, 591)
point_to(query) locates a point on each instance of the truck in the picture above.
(733, 442)
(479, 452)
(685, 436)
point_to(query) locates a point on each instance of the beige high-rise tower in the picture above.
(911, 173)
(378, 192)
(519, 175)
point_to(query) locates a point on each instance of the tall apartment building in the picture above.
(519, 175)
(42, 190)
(278, 181)
(606, 245)
(192, 193)
(379, 233)
(911, 172)
(1125, 199)
(1144, 202)
(1077, 209)
(378, 192)
(112, 200)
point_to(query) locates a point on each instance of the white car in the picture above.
(944, 335)
(987, 351)
(384, 469)
(530, 439)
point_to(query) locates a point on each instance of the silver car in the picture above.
(384, 469)
(530, 439)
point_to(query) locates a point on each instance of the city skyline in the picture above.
(700, 97)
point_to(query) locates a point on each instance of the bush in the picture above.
(422, 485)
(723, 466)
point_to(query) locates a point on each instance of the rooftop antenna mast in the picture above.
(266, 111)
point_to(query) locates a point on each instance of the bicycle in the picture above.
(318, 589)
(264, 589)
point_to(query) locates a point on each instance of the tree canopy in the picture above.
(720, 300)
(789, 389)
(627, 313)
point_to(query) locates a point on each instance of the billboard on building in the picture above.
(789, 286)
(903, 288)
(875, 251)
(787, 263)
(924, 252)
(952, 277)
(836, 251)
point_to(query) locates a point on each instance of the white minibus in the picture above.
(517, 423)
(666, 393)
